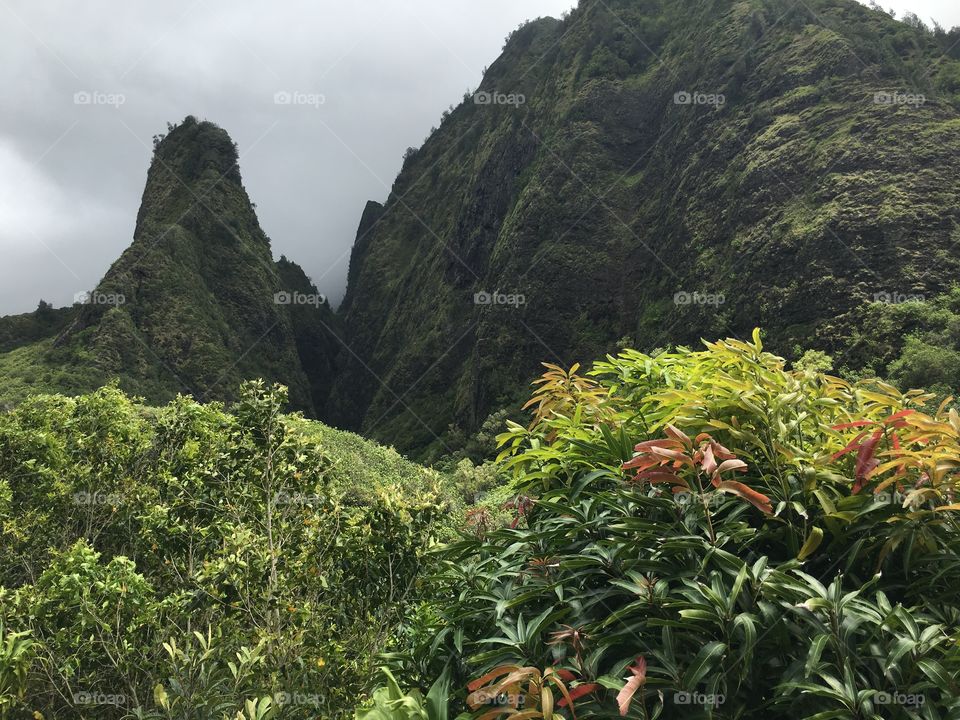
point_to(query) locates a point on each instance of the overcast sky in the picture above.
(71, 174)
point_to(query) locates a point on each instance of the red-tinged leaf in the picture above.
(709, 462)
(565, 675)
(641, 462)
(851, 446)
(738, 465)
(495, 673)
(866, 462)
(897, 416)
(657, 477)
(758, 500)
(720, 451)
(625, 696)
(679, 435)
(579, 691)
(671, 455)
(648, 445)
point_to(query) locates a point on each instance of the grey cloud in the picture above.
(71, 175)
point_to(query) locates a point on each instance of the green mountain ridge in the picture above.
(636, 171)
(618, 209)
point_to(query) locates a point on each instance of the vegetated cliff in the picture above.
(196, 303)
(660, 171)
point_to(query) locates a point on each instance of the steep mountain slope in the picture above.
(196, 303)
(672, 170)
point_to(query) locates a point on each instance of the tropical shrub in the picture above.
(193, 562)
(708, 534)
(16, 656)
(389, 702)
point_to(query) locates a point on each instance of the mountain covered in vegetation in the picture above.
(661, 172)
(637, 173)
(194, 305)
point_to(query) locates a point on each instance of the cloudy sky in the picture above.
(71, 174)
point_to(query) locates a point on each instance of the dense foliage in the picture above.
(186, 562)
(709, 534)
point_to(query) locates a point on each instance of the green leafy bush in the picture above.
(189, 562)
(707, 534)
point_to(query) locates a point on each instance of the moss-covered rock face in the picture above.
(196, 303)
(676, 170)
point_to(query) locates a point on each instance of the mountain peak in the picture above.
(196, 303)
(193, 147)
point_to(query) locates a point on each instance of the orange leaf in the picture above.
(625, 696)
(678, 435)
(579, 691)
(709, 462)
(664, 452)
(738, 465)
(495, 673)
(758, 500)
